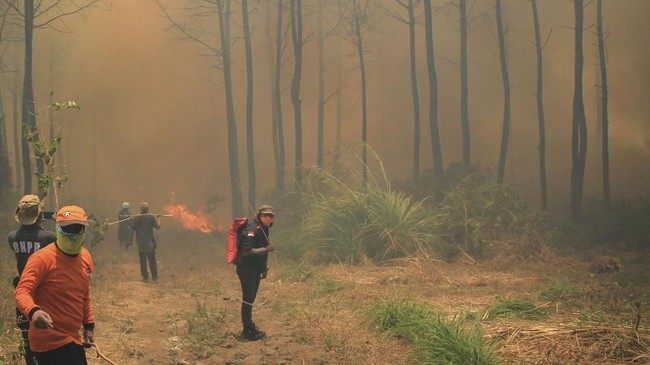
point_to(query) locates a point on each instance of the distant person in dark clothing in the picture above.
(124, 227)
(143, 226)
(28, 239)
(252, 266)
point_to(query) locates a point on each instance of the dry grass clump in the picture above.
(565, 343)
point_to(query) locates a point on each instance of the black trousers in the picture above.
(70, 354)
(249, 278)
(151, 256)
(23, 324)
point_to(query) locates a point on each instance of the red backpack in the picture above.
(232, 238)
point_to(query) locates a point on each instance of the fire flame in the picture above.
(194, 221)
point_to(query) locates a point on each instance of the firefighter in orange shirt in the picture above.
(54, 293)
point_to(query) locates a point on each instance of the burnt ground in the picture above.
(319, 316)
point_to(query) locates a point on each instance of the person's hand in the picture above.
(88, 336)
(270, 248)
(158, 215)
(42, 320)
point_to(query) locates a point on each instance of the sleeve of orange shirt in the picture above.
(33, 274)
(89, 317)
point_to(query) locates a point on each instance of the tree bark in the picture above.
(5, 168)
(464, 87)
(604, 97)
(540, 110)
(358, 19)
(250, 143)
(18, 141)
(28, 111)
(321, 88)
(223, 9)
(296, 35)
(415, 94)
(277, 101)
(438, 171)
(505, 133)
(579, 123)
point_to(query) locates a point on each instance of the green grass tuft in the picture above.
(560, 289)
(437, 340)
(505, 308)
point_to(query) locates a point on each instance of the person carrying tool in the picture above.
(252, 266)
(25, 241)
(54, 293)
(124, 226)
(143, 225)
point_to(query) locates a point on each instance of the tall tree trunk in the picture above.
(414, 93)
(223, 8)
(16, 128)
(296, 35)
(505, 134)
(5, 168)
(339, 103)
(28, 112)
(274, 106)
(438, 170)
(540, 110)
(250, 143)
(464, 88)
(321, 88)
(364, 103)
(277, 101)
(579, 124)
(604, 104)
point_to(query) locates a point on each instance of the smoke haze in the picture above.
(153, 124)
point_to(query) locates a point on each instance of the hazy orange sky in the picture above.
(153, 116)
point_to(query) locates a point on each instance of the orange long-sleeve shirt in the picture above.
(60, 285)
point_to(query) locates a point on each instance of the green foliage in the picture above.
(297, 273)
(505, 308)
(477, 211)
(559, 289)
(290, 246)
(438, 340)
(97, 228)
(203, 330)
(45, 151)
(326, 286)
(376, 224)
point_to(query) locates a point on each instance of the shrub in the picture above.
(477, 211)
(375, 224)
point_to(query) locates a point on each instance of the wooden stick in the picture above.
(100, 355)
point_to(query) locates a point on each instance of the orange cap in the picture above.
(71, 214)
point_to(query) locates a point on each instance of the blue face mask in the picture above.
(70, 243)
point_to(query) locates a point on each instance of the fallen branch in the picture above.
(100, 355)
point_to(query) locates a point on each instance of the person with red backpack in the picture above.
(252, 265)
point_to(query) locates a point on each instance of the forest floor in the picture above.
(319, 314)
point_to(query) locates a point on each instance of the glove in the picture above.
(42, 320)
(88, 336)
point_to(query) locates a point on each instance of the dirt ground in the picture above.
(191, 314)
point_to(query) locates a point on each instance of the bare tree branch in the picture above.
(188, 35)
(64, 14)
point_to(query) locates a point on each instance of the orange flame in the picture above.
(194, 221)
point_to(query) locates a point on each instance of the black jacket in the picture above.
(253, 236)
(27, 240)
